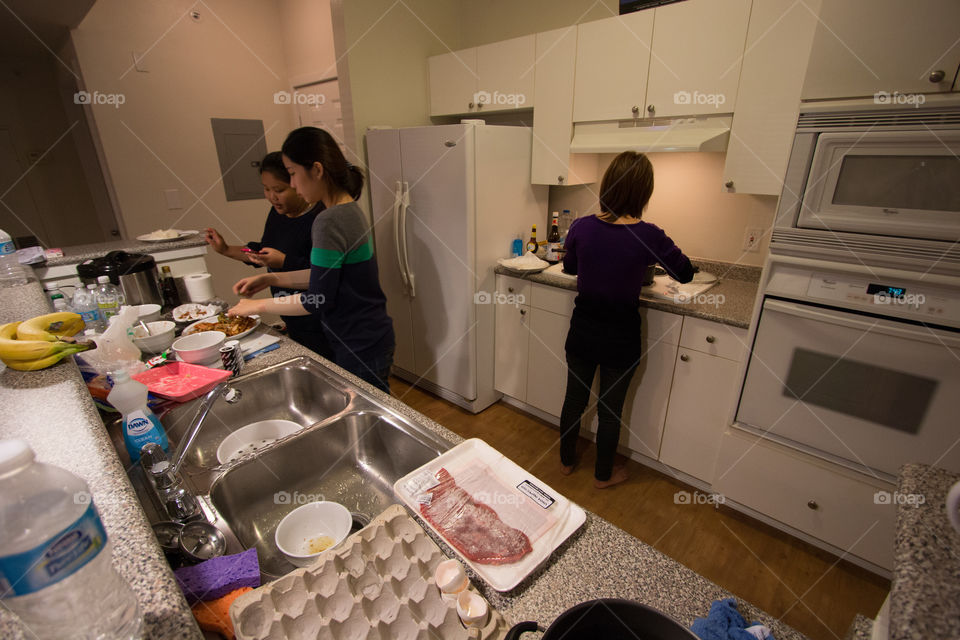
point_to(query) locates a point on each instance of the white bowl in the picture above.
(148, 312)
(199, 348)
(253, 436)
(304, 525)
(162, 333)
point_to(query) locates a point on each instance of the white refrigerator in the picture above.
(447, 201)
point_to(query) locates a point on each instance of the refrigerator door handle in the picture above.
(397, 197)
(404, 204)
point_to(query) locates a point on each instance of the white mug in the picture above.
(953, 506)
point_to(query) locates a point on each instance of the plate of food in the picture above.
(166, 235)
(236, 327)
(193, 311)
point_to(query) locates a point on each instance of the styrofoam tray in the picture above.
(566, 516)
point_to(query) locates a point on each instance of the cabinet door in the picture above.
(768, 99)
(453, 82)
(612, 60)
(704, 388)
(646, 406)
(697, 52)
(862, 47)
(510, 360)
(552, 162)
(505, 73)
(547, 372)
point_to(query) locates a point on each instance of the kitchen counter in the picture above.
(79, 253)
(730, 301)
(600, 560)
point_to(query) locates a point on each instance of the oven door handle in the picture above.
(851, 320)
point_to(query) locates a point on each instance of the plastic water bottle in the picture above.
(140, 425)
(85, 303)
(55, 569)
(11, 272)
(108, 299)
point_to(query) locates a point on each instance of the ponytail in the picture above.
(308, 145)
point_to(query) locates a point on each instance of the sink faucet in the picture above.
(179, 504)
(194, 427)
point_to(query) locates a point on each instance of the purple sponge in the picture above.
(217, 577)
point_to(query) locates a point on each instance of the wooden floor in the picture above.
(807, 588)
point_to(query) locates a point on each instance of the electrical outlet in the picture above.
(751, 238)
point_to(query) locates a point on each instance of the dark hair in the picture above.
(307, 145)
(627, 185)
(273, 162)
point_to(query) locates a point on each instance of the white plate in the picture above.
(183, 234)
(566, 516)
(206, 311)
(189, 329)
(504, 262)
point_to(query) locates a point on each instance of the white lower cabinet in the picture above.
(510, 359)
(547, 371)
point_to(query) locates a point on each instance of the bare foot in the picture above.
(566, 469)
(619, 475)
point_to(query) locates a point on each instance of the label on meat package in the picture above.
(536, 494)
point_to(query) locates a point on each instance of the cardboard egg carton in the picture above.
(377, 585)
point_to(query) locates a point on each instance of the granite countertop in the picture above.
(599, 560)
(79, 253)
(925, 592)
(730, 301)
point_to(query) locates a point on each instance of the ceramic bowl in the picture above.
(301, 530)
(251, 437)
(148, 312)
(160, 338)
(200, 348)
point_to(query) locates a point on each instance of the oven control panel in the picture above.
(905, 299)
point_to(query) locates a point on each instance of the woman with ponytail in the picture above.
(342, 283)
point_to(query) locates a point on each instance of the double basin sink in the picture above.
(350, 449)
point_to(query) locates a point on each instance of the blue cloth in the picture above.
(723, 622)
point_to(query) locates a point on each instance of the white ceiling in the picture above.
(27, 25)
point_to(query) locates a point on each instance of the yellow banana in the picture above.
(28, 355)
(51, 326)
(39, 363)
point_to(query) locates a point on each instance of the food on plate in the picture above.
(188, 313)
(474, 529)
(230, 326)
(162, 234)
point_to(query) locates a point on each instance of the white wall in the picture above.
(307, 30)
(226, 65)
(495, 20)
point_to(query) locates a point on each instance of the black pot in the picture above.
(609, 619)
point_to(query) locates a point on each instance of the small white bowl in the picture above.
(148, 312)
(302, 527)
(253, 436)
(199, 348)
(162, 333)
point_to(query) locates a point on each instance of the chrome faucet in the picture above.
(194, 428)
(177, 502)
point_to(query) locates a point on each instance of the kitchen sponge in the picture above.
(215, 615)
(217, 577)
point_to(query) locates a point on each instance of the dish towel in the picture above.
(724, 622)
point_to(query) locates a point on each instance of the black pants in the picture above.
(612, 393)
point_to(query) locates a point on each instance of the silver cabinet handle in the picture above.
(685, 357)
(523, 312)
(728, 184)
(711, 339)
(559, 179)
(812, 504)
(937, 76)
(651, 108)
(510, 289)
(471, 105)
(635, 109)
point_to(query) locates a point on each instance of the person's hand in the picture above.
(215, 240)
(252, 284)
(268, 257)
(245, 308)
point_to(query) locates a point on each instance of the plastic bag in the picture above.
(114, 352)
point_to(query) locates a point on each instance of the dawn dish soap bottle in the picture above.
(140, 425)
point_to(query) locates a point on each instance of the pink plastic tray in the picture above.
(181, 381)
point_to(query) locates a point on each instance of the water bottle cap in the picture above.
(14, 454)
(103, 279)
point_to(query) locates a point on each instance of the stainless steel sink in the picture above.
(351, 450)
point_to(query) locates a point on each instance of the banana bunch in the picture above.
(41, 342)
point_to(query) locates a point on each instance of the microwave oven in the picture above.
(861, 167)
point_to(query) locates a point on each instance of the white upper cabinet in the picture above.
(613, 57)
(863, 47)
(768, 100)
(491, 77)
(695, 61)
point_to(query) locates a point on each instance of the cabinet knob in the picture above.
(937, 76)
(812, 504)
(559, 179)
(471, 105)
(685, 357)
(711, 339)
(510, 289)
(523, 312)
(651, 109)
(728, 184)
(635, 109)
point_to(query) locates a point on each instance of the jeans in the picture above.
(611, 396)
(375, 370)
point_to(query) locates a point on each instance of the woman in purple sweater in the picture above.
(609, 252)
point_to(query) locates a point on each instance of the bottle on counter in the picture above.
(55, 565)
(516, 247)
(553, 240)
(140, 425)
(11, 272)
(168, 288)
(532, 242)
(85, 303)
(109, 299)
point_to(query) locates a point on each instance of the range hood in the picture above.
(666, 134)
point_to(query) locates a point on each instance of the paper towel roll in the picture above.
(199, 287)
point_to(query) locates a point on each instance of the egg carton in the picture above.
(378, 585)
